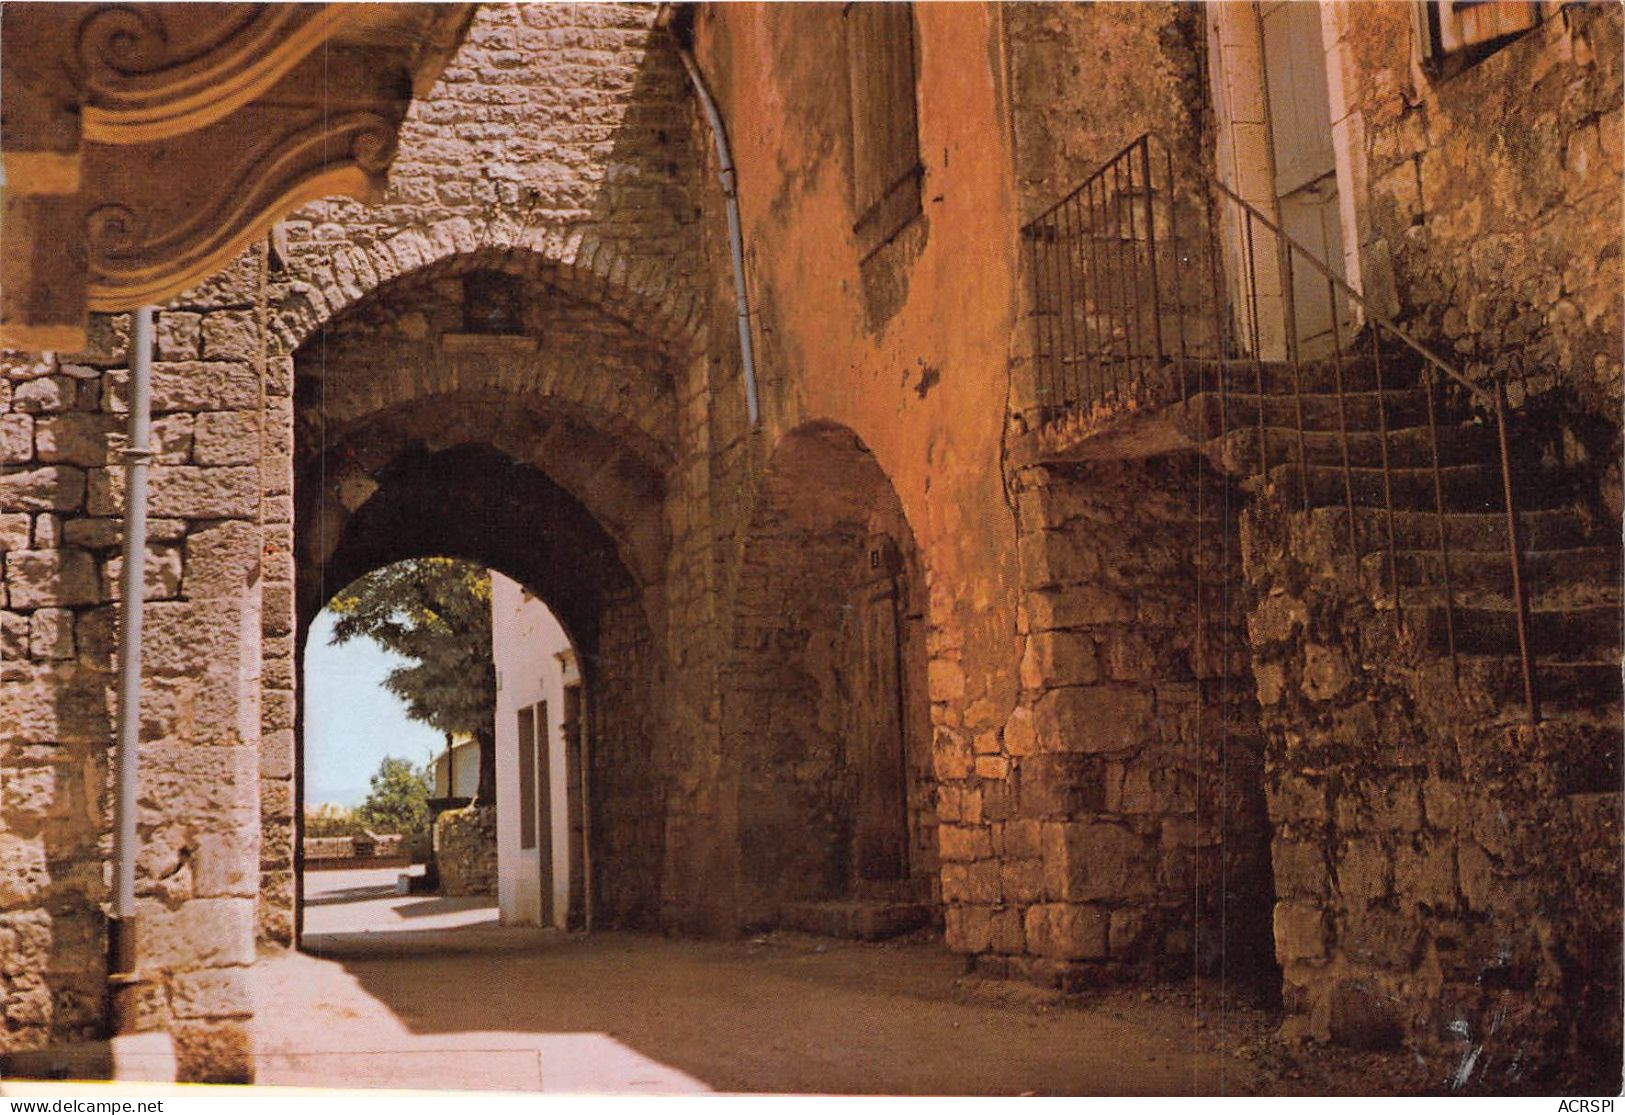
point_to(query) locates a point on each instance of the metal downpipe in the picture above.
(121, 927)
(736, 244)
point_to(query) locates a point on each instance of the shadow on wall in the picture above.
(826, 720)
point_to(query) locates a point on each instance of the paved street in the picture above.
(363, 900)
(423, 992)
(333, 1016)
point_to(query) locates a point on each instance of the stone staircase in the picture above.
(1449, 746)
(877, 911)
(1333, 480)
(1245, 416)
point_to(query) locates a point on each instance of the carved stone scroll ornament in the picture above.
(146, 144)
(151, 71)
(143, 250)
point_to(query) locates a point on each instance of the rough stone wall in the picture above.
(1137, 839)
(1489, 201)
(1085, 79)
(466, 850)
(1447, 876)
(61, 494)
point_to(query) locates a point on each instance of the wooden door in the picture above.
(1305, 184)
(880, 837)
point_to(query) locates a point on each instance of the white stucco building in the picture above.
(455, 771)
(538, 713)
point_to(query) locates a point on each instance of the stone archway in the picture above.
(537, 445)
(826, 720)
(476, 503)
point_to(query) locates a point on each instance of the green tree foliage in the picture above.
(435, 612)
(398, 800)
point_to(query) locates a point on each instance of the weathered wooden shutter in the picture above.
(886, 167)
(1456, 33)
(1464, 23)
(527, 777)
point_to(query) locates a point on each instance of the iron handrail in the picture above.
(1213, 182)
(1057, 224)
(1342, 285)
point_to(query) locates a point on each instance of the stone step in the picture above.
(1208, 416)
(857, 919)
(1580, 575)
(1312, 377)
(1473, 488)
(1584, 753)
(916, 888)
(1577, 634)
(1590, 688)
(1411, 447)
(1466, 532)
(1580, 702)
(1593, 686)
(1476, 531)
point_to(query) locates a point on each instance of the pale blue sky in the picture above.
(351, 720)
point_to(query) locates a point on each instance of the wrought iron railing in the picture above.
(1153, 282)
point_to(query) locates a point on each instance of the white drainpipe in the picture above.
(736, 239)
(121, 928)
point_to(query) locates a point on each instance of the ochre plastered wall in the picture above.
(908, 351)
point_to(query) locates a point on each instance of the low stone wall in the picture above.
(466, 847)
(323, 851)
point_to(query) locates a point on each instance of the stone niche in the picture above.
(825, 722)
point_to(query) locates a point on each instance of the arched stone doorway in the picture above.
(473, 410)
(826, 719)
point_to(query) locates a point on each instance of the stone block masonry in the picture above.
(1141, 842)
(197, 876)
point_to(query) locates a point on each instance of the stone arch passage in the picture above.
(826, 719)
(475, 503)
(537, 444)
